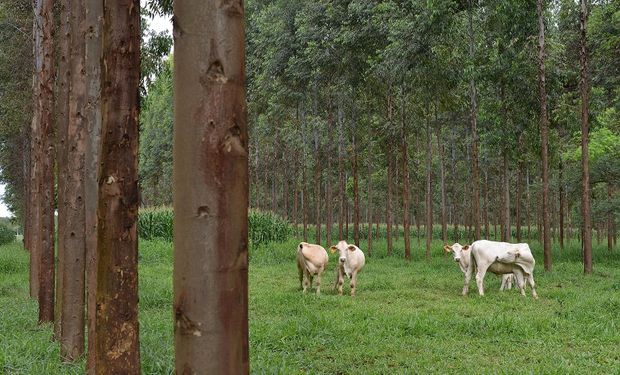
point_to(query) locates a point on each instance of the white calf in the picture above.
(311, 260)
(351, 260)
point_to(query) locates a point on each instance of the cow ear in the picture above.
(466, 247)
(351, 248)
(447, 248)
(333, 249)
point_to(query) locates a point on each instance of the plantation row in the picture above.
(265, 227)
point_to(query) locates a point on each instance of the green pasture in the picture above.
(408, 317)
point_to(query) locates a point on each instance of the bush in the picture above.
(263, 227)
(7, 235)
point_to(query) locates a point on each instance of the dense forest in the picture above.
(396, 112)
(419, 113)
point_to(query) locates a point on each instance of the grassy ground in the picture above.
(408, 317)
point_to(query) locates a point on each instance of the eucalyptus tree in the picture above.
(211, 222)
(117, 337)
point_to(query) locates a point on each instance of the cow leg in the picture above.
(468, 273)
(504, 282)
(318, 282)
(520, 282)
(509, 283)
(306, 281)
(530, 280)
(353, 283)
(340, 281)
(480, 278)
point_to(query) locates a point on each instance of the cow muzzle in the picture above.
(342, 259)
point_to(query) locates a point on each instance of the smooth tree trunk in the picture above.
(610, 221)
(328, 177)
(92, 114)
(473, 115)
(74, 236)
(429, 190)
(585, 172)
(317, 185)
(389, 212)
(356, 196)
(544, 135)
(562, 202)
(442, 181)
(406, 191)
(117, 339)
(341, 187)
(370, 208)
(45, 13)
(211, 222)
(519, 200)
(505, 198)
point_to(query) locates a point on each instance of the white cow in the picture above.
(351, 260)
(501, 258)
(462, 256)
(311, 260)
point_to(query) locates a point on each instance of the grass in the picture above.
(408, 317)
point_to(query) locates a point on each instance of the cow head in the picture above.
(457, 250)
(509, 256)
(342, 248)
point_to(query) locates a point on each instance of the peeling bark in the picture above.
(117, 343)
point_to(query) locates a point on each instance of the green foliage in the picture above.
(263, 227)
(156, 126)
(156, 223)
(266, 227)
(7, 234)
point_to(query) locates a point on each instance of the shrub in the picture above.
(7, 235)
(155, 223)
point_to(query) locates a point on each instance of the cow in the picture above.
(462, 256)
(501, 258)
(351, 260)
(311, 260)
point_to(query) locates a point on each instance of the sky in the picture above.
(4, 211)
(157, 24)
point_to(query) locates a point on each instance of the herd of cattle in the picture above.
(514, 262)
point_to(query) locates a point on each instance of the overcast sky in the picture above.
(4, 211)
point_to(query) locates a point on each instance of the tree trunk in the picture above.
(544, 137)
(341, 190)
(328, 176)
(389, 210)
(562, 202)
(46, 177)
(35, 155)
(519, 199)
(304, 200)
(506, 198)
(72, 336)
(442, 166)
(527, 207)
(610, 221)
(356, 196)
(585, 177)
(473, 114)
(487, 233)
(406, 190)
(92, 61)
(317, 187)
(62, 105)
(211, 233)
(117, 343)
(429, 191)
(370, 211)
